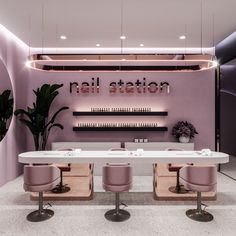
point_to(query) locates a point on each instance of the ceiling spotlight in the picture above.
(182, 37)
(63, 37)
(141, 44)
(122, 37)
(98, 45)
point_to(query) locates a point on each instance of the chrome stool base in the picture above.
(59, 189)
(37, 216)
(182, 190)
(113, 215)
(199, 215)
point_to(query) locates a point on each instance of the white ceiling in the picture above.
(155, 23)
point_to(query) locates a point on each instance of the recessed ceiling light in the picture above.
(141, 44)
(182, 37)
(98, 45)
(122, 37)
(63, 37)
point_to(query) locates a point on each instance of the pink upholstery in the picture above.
(117, 188)
(63, 167)
(41, 178)
(175, 167)
(199, 178)
(117, 178)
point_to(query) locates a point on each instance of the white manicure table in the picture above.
(132, 157)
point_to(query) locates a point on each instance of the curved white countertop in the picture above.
(134, 157)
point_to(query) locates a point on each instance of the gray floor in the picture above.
(148, 217)
(230, 167)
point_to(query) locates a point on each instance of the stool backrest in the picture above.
(40, 175)
(117, 174)
(199, 175)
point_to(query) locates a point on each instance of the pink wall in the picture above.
(5, 82)
(191, 98)
(13, 55)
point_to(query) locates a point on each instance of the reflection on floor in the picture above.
(230, 167)
(148, 217)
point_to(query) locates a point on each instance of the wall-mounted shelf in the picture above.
(111, 113)
(161, 128)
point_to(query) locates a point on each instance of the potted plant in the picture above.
(184, 131)
(6, 110)
(37, 118)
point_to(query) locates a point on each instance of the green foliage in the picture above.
(37, 118)
(6, 110)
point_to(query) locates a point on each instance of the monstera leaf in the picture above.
(6, 110)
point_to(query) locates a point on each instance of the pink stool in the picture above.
(176, 168)
(62, 188)
(117, 178)
(199, 179)
(40, 179)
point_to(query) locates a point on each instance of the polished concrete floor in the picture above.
(230, 167)
(148, 217)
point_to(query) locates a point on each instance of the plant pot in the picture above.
(183, 139)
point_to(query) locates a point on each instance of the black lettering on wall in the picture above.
(85, 87)
(165, 85)
(73, 84)
(152, 87)
(112, 87)
(129, 87)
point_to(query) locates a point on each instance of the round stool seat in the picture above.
(117, 188)
(63, 167)
(175, 167)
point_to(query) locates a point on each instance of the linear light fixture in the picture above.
(130, 63)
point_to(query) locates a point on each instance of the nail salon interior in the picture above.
(117, 117)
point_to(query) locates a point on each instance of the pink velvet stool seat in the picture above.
(199, 179)
(62, 188)
(117, 178)
(40, 179)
